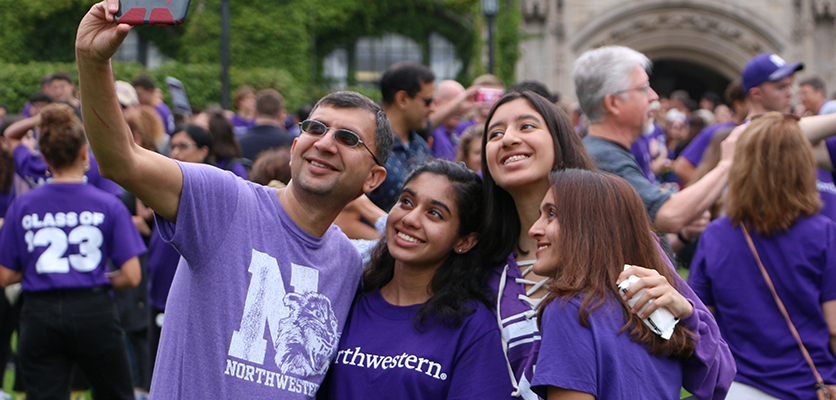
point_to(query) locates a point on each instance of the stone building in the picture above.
(696, 45)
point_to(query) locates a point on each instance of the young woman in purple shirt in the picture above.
(527, 137)
(420, 327)
(772, 193)
(594, 344)
(57, 240)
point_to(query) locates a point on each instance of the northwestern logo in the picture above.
(302, 326)
(409, 361)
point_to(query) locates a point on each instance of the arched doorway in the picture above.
(674, 74)
(696, 45)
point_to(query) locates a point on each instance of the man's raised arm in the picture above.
(153, 178)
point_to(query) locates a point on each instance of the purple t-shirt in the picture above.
(641, 151)
(257, 304)
(62, 234)
(6, 200)
(240, 125)
(382, 355)
(827, 192)
(802, 266)
(27, 110)
(446, 143)
(707, 374)
(163, 259)
(597, 359)
(238, 168)
(695, 150)
(167, 117)
(33, 169)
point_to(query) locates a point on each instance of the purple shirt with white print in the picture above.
(61, 236)
(383, 355)
(257, 305)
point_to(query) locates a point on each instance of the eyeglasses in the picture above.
(643, 88)
(343, 136)
(182, 146)
(427, 101)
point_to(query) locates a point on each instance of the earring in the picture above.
(86, 166)
(460, 250)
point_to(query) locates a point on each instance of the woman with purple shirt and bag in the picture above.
(772, 193)
(57, 240)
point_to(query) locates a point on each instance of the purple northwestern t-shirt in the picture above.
(240, 125)
(802, 266)
(257, 304)
(62, 234)
(33, 169)
(167, 117)
(696, 149)
(382, 355)
(597, 359)
(163, 259)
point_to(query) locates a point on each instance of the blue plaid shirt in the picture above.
(402, 160)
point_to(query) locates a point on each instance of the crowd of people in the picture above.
(452, 242)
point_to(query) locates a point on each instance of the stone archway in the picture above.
(717, 36)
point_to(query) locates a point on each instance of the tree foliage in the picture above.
(40, 30)
(284, 37)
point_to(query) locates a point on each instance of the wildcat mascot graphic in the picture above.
(307, 336)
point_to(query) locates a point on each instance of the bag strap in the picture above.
(819, 382)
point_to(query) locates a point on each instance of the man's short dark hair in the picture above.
(61, 76)
(383, 133)
(536, 87)
(144, 81)
(712, 97)
(46, 80)
(680, 95)
(408, 76)
(303, 112)
(734, 92)
(39, 97)
(815, 82)
(269, 103)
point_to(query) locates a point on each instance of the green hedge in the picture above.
(202, 81)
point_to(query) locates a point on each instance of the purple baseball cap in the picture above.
(767, 67)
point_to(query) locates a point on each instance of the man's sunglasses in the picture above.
(343, 136)
(427, 101)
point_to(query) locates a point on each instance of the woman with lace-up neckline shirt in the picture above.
(527, 137)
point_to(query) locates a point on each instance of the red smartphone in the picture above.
(152, 12)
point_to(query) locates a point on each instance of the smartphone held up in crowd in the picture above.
(152, 12)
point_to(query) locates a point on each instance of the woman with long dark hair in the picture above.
(593, 346)
(420, 327)
(57, 242)
(526, 138)
(225, 148)
(772, 194)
